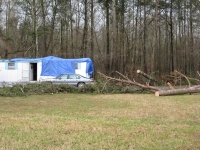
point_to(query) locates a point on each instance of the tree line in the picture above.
(156, 36)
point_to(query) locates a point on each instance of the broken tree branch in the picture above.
(123, 76)
(189, 84)
(126, 80)
(170, 86)
(146, 75)
(158, 91)
(198, 73)
(104, 85)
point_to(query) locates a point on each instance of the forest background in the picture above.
(156, 36)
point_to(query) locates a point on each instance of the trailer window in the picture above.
(11, 66)
(78, 66)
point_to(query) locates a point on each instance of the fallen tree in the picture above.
(157, 90)
(127, 80)
(178, 91)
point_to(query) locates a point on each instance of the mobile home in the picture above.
(34, 70)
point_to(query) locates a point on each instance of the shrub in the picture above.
(47, 88)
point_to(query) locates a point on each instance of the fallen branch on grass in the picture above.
(156, 90)
(127, 80)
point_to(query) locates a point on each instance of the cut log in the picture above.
(198, 73)
(158, 91)
(169, 84)
(146, 75)
(177, 91)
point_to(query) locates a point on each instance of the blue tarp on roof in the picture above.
(54, 66)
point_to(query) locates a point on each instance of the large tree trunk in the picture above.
(92, 30)
(44, 28)
(157, 90)
(134, 38)
(85, 31)
(114, 38)
(107, 38)
(71, 34)
(154, 38)
(178, 91)
(35, 38)
(143, 57)
(171, 38)
(50, 47)
(192, 58)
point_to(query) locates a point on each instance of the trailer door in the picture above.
(33, 72)
(25, 71)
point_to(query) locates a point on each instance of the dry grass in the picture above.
(80, 121)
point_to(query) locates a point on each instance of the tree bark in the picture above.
(35, 37)
(192, 56)
(154, 37)
(146, 75)
(107, 38)
(44, 28)
(171, 38)
(143, 57)
(71, 32)
(114, 37)
(135, 55)
(50, 47)
(92, 30)
(178, 91)
(76, 46)
(85, 31)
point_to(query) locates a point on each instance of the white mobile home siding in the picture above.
(82, 69)
(30, 70)
(23, 72)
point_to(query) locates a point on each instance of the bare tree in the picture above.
(43, 9)
(84, 46)
(92, 29)
(157, 36)
(35, 34)
(154, 37)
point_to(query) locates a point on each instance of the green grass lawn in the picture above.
(102, 122)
